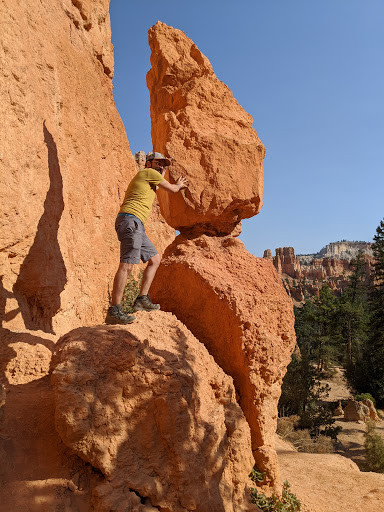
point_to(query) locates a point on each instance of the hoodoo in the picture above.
(231, 301)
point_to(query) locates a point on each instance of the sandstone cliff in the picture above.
(303, 276)
(65, 163)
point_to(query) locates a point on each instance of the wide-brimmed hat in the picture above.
(158, 156)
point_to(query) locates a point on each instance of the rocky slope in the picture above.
(304, 275)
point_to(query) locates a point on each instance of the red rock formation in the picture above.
(197, 122)
(302, 280)
(234, 303)
(230, 301)
(65, 165)
(150, 408)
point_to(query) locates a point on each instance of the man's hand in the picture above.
(182, 182)
(174, 187)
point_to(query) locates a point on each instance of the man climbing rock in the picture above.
(134, 243)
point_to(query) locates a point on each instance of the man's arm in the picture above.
(174, 187)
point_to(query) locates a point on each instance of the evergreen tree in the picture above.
(375, 349)
(326, 341)
(352, 313)
(316, 329)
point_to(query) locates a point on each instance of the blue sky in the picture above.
(312, 76)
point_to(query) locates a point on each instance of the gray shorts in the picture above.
(134, 243)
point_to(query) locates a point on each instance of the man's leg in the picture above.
(149, 274)
(143, 302)
(115, 315)
(120, 281)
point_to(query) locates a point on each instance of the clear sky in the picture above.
(311, 73)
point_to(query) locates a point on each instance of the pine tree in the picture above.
(325, 306)
(375, 348)
(352, 314)
(315, 328)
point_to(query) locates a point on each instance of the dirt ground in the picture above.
(333, 482)
(351, 438)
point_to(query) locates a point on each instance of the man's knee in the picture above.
(125, 267)
(155, 260)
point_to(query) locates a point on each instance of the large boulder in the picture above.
(198, 123)
(356, 411)
(149, 407)
(237, 306)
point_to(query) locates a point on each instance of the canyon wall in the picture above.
(65, 163)
(303, 276)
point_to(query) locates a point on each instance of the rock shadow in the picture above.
(43, 274)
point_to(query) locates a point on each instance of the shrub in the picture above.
(286, 426)
(288, 502)
(365, 396)
(131, 291)
(374, 449)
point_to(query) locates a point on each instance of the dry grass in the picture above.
(301, 440)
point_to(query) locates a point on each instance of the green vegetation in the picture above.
(374, 449)
(288, 429)
(367, 370)
(131, 291)
(365, 396)
(348, 330)
(288, 502)
(345, 331)
(302, 395)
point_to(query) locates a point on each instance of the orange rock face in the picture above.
(235, 304)
(231, 301)
(198, 123)
(65, 164)
(149, 407)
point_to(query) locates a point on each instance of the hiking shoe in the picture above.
(116, 316)
(144, 303)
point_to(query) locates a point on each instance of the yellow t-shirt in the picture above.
(140, 194)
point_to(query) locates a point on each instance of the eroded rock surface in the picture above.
(237, 306)
(149, 407)
(65, 163)
(303, 276)
(199, 124)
